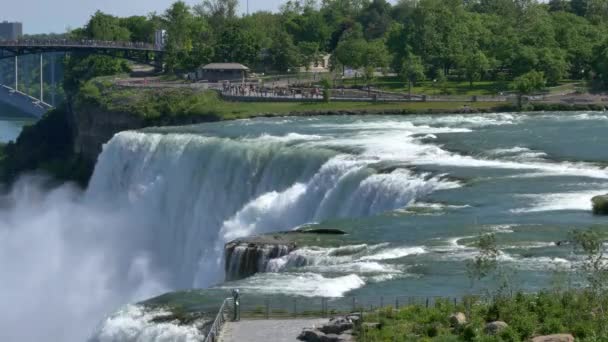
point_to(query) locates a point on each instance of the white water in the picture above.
(63, 265)
(134, 323)
(208, 191)
(160, 208)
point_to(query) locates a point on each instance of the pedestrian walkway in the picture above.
(286, 330)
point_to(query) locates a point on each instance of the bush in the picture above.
(600, 205)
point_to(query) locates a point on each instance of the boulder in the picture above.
(337, 325)
(494, 328)
(600, 205)
(331, 338)
(458, 319)
(311, 335)
(554, 338)
(355, 318)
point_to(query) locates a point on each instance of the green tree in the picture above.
(376, 19)
(485, 262)
(237, 45)
(179, 23)
(283, 55)
(103, 26)
(374, 56)
(475, 66)
(350, 52)
(412, 71)
(528, 83)
(141, 29)
(309, 53)
(600, 66)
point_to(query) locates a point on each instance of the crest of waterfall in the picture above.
(196, 193)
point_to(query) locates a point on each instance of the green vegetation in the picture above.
(527, 315)
(600, 205)
(166, 104)
(580, 312)
(443, 41)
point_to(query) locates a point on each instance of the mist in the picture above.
(66, 263)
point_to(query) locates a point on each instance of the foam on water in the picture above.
(560, 201)
(395, 253)
(135, 323)
(300, 284)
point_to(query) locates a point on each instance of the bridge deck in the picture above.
(64, 44)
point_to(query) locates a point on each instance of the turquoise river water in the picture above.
(411, 191)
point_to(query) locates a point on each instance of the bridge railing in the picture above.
(84, 43)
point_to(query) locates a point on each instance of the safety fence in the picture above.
(285, 307)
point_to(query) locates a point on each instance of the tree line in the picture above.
(538, 43)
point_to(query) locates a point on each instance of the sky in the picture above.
(46, 16)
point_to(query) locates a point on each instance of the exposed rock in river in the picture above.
(244, 258)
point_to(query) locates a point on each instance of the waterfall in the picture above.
(195, 193)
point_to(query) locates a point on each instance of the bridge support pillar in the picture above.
(53, 85)
(41, 78)
(16, 73)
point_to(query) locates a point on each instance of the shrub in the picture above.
(600, 205)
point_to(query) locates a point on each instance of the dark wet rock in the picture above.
(600, 205)
(337, 325)
(311, 335)
(554, 338)
(338, 329)
(355, 318)
(494, 328)
(322, 231)
(246, 258)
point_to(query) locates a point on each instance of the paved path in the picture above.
(267, 330)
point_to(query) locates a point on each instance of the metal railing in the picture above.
(81, 43)
(284, 307)
(218, 323)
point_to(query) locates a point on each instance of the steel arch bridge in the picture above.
(142, 53)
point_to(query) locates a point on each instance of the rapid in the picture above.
(410, 191)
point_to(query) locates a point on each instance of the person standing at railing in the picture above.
(237, 305)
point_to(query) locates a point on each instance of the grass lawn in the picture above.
(153, 104)
(393, 83)
(234, 110)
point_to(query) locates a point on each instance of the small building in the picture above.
(320, 65)
(217, 72)
(11, 31)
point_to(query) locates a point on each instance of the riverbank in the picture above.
(542, 317)
(166, 105)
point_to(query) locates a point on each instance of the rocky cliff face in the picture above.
(246, 258)
(94, 126)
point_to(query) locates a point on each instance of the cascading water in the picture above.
(162, 203)
(197, 193)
